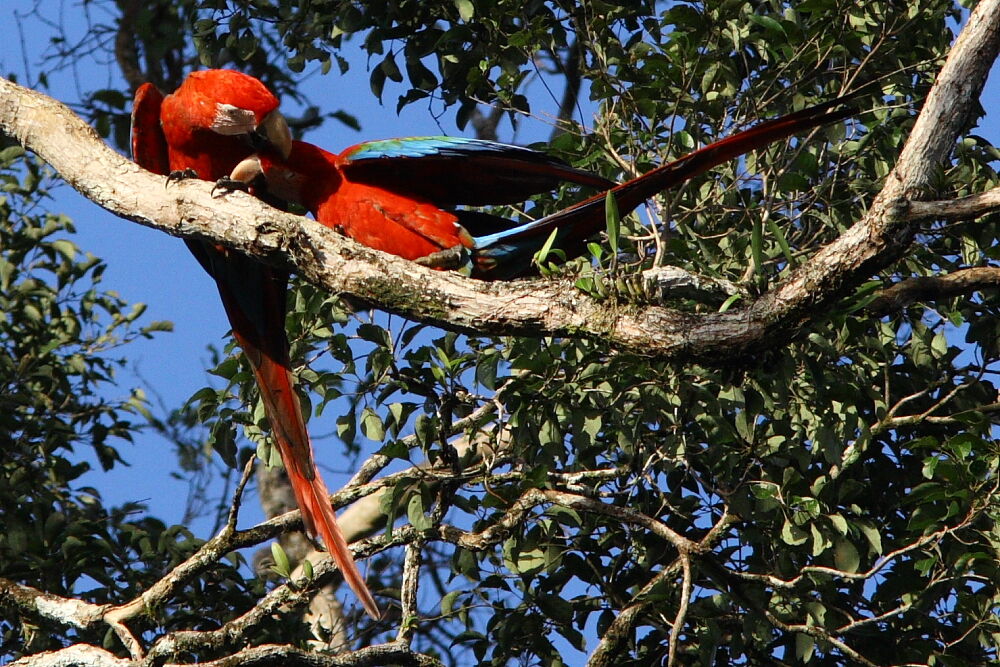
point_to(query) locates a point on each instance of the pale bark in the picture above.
(536, 307)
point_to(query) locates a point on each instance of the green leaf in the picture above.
(543, 253)
(757, 246)
(728, 303)
(840, 523)
(764, 490)
(282, 565)
(613, 221)
(415, 513)
(448, 602)
(873, 536)
(374, 333)
(792, 534)
(804, 647)
(768, 23)
(389, 67)
(371, 425)
(846, 557)
(466, 10)
(530, 562)
(65, 248)
(556, 607)
(779, 236)
(486, 369)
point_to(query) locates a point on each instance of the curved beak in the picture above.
(275, 133)
(248, 170)
(275, 178)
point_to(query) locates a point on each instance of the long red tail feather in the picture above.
(254, 299)
(271, 368)
(576, 223)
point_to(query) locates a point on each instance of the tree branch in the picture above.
(932, 288)
(83, 655)
(392, 653)
(533, 308)
(685, 599)
(267, 655)
(408, 593)
(610, 648)
(37, 604)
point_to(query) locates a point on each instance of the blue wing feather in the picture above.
(417, 147)
(455, 171)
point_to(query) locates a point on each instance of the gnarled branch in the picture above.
(539, 307)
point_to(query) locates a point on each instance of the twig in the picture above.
(682, 607)
(609, 649)
(819, 633)
(607, 652)
(408, 592)
(234, 511)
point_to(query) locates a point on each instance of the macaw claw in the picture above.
(227, 184)
(178, 175)
(453, 258)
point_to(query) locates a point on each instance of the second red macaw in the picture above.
(206, 127)
(398, 195)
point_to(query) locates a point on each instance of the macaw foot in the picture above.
(455, 258)
(227, 184)
(181, 175)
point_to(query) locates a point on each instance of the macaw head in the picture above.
(227, 103)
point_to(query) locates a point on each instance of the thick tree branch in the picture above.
(267, 655)
(83, 655)
(529, 307)
(964, 208)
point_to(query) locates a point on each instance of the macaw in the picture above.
(205, 128)
(397, 195)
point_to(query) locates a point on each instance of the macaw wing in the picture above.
(452, 171)
(149, 145)
(149, 149)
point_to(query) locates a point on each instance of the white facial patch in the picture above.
(230, 120)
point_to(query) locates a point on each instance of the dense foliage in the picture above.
(836, 497)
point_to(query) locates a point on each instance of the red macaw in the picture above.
(396, 195)
(206, 127)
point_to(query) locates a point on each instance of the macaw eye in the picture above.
(231, 120)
